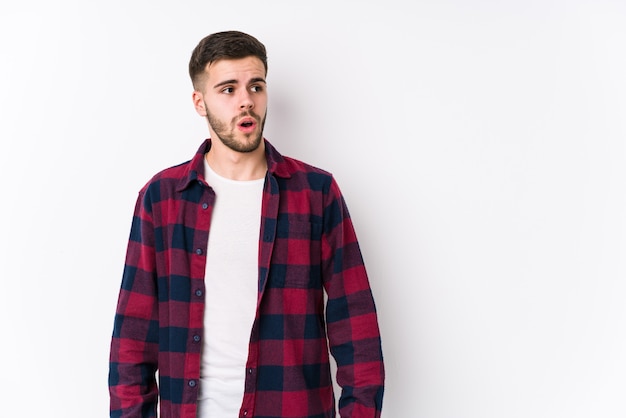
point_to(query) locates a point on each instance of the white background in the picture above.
(480, 146)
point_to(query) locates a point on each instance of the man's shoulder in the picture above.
(171, 175)
(288, 167)
(180, 174)
(175, 172)
(296, 166)
(306, 176)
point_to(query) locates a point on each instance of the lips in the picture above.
(247, 124)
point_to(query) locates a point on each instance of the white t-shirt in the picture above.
(231, 280)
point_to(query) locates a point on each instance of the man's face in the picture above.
(234, 101)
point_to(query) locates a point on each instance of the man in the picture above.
(228, 260)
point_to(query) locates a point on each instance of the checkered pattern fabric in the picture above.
(307, 245)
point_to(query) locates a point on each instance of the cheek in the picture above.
(261, 105)
(216, 109)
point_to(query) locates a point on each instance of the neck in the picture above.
(237, 165)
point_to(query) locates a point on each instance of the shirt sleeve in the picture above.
(134, 344)
(352, 323)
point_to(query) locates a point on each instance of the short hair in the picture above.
(223, 45)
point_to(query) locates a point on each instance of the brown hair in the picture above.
(223, 45)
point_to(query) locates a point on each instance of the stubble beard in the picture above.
(227, 134)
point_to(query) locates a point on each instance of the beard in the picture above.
(227, 133)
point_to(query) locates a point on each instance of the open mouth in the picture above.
(247, 124)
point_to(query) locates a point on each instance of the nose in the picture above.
(246, 102)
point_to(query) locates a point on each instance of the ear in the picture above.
(198, 103)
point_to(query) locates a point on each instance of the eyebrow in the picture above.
(233, 81)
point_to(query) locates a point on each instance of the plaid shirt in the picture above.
(307, 245)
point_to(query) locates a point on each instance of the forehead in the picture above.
(240, 69)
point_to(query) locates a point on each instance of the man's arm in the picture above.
(134, 345)
(352, 322)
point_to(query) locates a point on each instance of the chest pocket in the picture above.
(296, 258)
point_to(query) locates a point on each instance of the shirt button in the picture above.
(250, 371)
(198, 292)
(196, 338)
(205, 206)
(245, 413)
(192, 383)
(199, 251)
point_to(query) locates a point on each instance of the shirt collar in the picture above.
(276, 164)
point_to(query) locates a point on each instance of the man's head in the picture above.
(228, 72)
(223, 45)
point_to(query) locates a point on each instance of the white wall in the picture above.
(480, 146)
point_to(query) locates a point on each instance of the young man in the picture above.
(228, 260)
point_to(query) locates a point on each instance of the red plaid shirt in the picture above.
(307, 245)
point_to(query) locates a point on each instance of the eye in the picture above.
(256, 89)
(228, 90)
